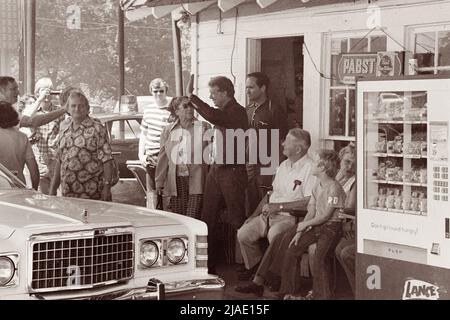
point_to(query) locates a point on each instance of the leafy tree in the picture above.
(87, 57)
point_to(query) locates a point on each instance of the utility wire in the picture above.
(234, 44)
(314, 64)
(362, 39)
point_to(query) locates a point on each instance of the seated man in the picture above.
(292, 188)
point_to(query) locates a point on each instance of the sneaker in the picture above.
(293, 297)
(309, 296)
(251, 288)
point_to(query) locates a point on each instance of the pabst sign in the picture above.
(352, 65)
(381, 64)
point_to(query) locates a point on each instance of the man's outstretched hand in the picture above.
(190, 86)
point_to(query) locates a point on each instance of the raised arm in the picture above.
(41, 119)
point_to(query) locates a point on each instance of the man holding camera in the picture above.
(43, 138)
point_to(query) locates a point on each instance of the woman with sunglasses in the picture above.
(180, 171)
(156, 117)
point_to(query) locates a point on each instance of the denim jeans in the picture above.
(326, 236)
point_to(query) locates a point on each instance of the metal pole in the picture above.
(30, 46)
(176, 35)
(121, 52)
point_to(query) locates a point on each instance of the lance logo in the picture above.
(420, 290)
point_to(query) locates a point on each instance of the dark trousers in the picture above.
(225, 185)
(326, 236)
(283, 262)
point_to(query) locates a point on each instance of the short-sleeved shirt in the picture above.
(15, 150)
(46, 136)
(82, 153)
(153, 122)
(328, 196)
(286, 187)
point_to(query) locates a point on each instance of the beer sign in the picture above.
(352, 65)
(380, 64)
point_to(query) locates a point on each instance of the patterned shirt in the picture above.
(46, 138)
(153, 122)
(82, 153)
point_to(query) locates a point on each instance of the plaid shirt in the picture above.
(46, 138)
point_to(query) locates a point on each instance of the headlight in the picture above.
(7, 270)
(176, 251)
(149, 253)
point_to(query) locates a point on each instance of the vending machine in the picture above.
(403, 208)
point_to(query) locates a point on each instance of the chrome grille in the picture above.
(98, 258)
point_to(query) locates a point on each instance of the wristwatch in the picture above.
(281, 207)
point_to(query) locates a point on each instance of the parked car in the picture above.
(124, 130)
(66, 248)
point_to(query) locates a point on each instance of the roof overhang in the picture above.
(138, 9)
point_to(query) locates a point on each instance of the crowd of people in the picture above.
(214, 164)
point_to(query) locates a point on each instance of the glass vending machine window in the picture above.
(395, 151)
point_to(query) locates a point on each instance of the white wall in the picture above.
(211, 52)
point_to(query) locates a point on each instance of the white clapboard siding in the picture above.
(211, 57)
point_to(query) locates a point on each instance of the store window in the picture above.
(432, 49)
(341, 113)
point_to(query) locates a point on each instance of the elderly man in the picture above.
(9, 91)
(292, 188)
(84, 160)
(227, 179)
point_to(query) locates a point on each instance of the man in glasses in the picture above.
(156, 117)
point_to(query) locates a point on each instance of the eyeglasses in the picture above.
(158, 91)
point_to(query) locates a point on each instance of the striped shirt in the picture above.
(153, 122)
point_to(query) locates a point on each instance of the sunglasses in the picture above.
(187, 105)
(158, 91)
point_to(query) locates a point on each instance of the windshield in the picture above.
(8, 180)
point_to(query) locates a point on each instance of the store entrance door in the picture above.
(281, 59)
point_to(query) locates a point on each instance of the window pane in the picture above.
(378, 44)
(351, 113)
(338, 46)
(424, 49)
(444, 49)
(358, 45)
(337, 112)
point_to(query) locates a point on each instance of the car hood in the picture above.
(27, 209)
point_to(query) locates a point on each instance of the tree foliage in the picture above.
(88, 57)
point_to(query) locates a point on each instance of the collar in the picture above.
(88, 122)
(299, 163)
(177, 124)
(229, 103)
